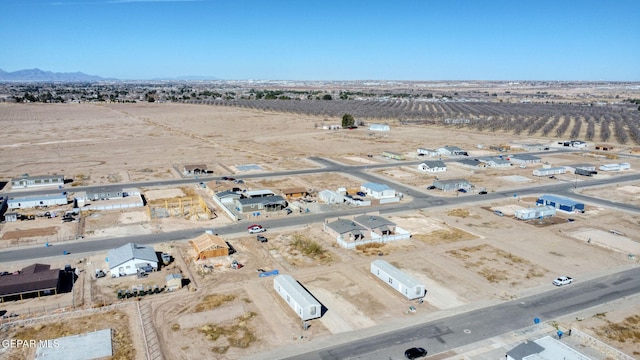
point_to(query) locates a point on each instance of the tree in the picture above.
(348, 120)
(327, 97)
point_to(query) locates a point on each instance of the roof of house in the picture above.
(524, 157)
(131, 251)
(452, 181)
(559, 199)
(451, 148)
(372, 221)
(60, 197)
(295, 190)
(266, 200)
(37, 177)
(173, 277)
(227, 193)
(300, 295)
(434, 164)
(406, 279)
(469, 162)
(343, 226)
(35, 277)
(264, 192)
(208, 241)
(525, 349)
(376, 187)
(195, 167)
(105, 189)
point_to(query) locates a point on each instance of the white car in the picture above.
(562, 280)
(254, 229)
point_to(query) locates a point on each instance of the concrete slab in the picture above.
(85, 346)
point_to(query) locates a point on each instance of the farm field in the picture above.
(466, 256)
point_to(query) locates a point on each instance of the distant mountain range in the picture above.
(41, 75)
(36, 75)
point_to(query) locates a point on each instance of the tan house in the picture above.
(292, 193)
(209, 246)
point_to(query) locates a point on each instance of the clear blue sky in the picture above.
(326, 40)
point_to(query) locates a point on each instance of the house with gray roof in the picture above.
(26, 181)
(27, 202)
(266, 203)
(471, 163)
(228, 196)
(433, 166)
(452, 184)
(376, 224)
(131, 259)
(451, 151)
(524, 159)
(345, 229)
(428, 152)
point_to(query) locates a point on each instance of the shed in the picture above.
(208, 246)
(131, 259)
(297, 297)
(561, 203)
(535, 212)
(174, 282)
(379, 127)
(405, 284)
(11, 217)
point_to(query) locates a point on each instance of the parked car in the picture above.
(562, 280)
(360, 193)
(261, 238)
(462, 190)
(414, 353)
(100, 274)
(254, 229)
(483, 192)
(498, 212)
(432, 187)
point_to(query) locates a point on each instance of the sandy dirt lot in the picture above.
(464, 256)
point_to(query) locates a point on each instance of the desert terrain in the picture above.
(466, 256)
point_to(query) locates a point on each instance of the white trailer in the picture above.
(405, 284)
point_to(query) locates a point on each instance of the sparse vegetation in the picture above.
(627, 330)
(213, 301)
(309, 247)
(371, 248)
(461, 213)
(238, 334)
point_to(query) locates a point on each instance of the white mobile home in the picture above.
(299, 299)
(433, 166)
(535, 213)
(549, 171)
(26, 181)
(428, 152)
(403, 283)
(378, 191)
(36, 201)
(615, 167)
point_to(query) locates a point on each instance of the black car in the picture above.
(482, 192)
(261, 238)
(415, 353)
(431, 187)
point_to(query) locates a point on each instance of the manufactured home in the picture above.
(297, 297)
(403, 283)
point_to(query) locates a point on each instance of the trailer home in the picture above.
(405, 284)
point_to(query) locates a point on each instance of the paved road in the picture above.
(466, 328)
(419, 200)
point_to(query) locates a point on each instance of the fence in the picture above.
(589, 340)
